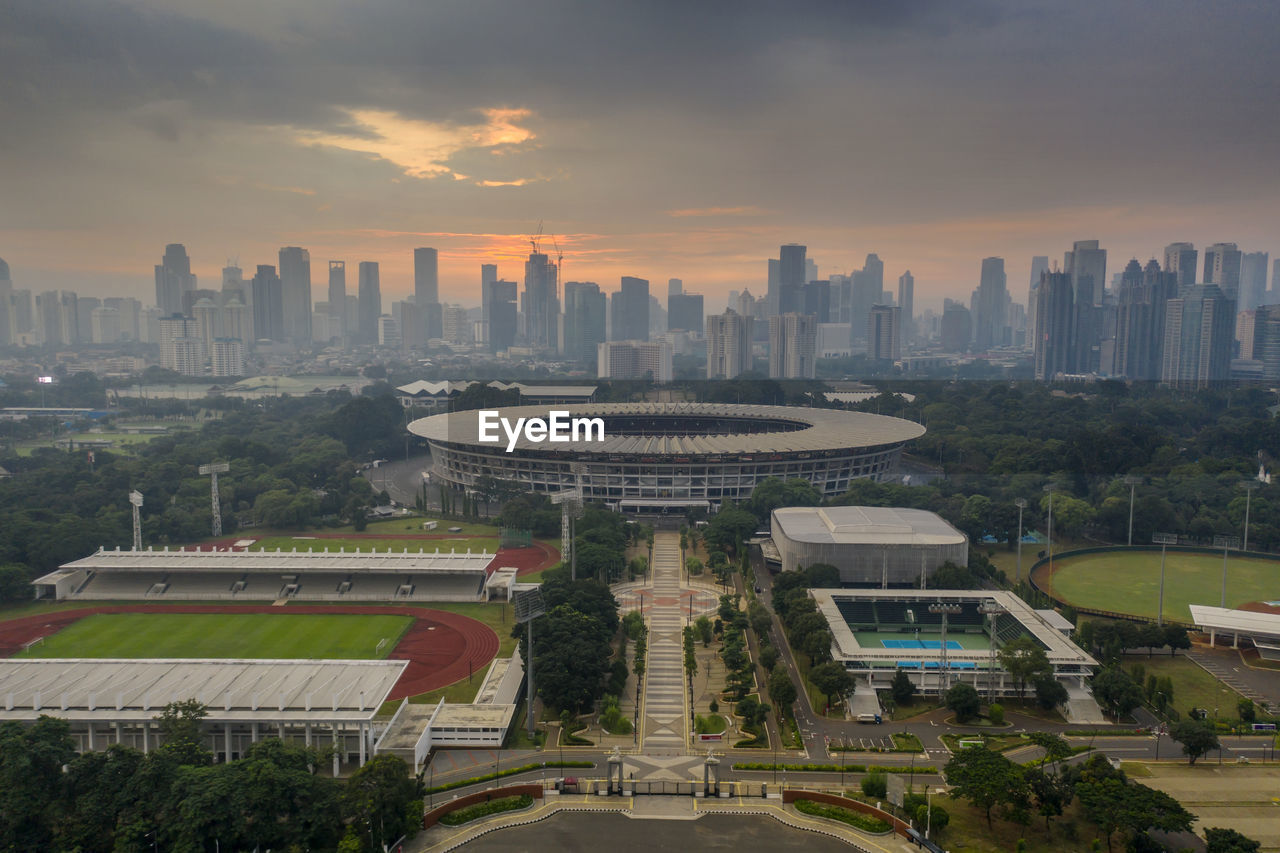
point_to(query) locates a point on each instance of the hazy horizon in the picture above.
(658, 140)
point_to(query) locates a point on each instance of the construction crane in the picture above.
(533, 241)
(559, 259)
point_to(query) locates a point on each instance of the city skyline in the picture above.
(919, 132)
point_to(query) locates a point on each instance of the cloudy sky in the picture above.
(659, 139)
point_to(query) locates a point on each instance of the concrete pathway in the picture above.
(664, 720)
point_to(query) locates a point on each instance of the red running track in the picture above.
(441, 647)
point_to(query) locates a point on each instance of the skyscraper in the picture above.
(883, 340)
(268, 304)
(295, 294)
(634, 360)
(502, 315)
(729, 337)
(906, 302)
(1143, 298)
(1253, 280)
(685, 312)
(1222, 267)
(488, 275)
(338, 299)
(369, 292)
(674, 286)
(1055, 311)
(1199, 327)
(793, 342)
(584, 322)
(1266, 340)
(174, 280)
(541, 302)
(791, 277)
(816, 300)
(1180, 259)
(629, 310)
(956, 328)
(6, 298)
(426, 291)
(1039, 266)
(991, 320)
(1086, 266)
(866, 289)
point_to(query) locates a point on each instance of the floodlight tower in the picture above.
(1164, 540)
(945, 609)
(570, 501)
(213, 469)
(529, 606)
(1021, 504)
(135, 498)
(1132, 482)
(992, 610)
(1248, 486)
(1226, 543)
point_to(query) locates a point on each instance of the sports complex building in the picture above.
(237, 574)
(875, 633)
(887, 547)
(670, 457)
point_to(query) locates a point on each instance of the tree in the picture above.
(728, 529)
(1197, 738)
(768, 657)
(902, 688)
(702, 627)
(1050, 692)
(832, 679)
(986, 779)
(875, 785)
(1113, 804)
(571, 657)
(963, 698)
(782, 692)
(1246, 710)
(376, 799)
(995, 713)
(1025, 660)
(1229, 841)
(1050, 793)
(179, 725)
(817, 645)
(1117, 691)
(1176, 637)
(822, 576)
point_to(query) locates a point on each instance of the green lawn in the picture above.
(396, 526)
(220, 635)
(1192, 686)
(1129, 582)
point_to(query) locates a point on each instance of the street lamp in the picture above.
(1226, 543)
(1021, 504)
(1163, 540)
(1248, 486)
(1132, 482)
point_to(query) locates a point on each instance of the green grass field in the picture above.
(1129, 582)
(224, 635)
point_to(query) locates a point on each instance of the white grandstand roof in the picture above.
(137, 690)
(865, 525)
(358, 562)
(1236, 621)
(812, 430)
(423, 387)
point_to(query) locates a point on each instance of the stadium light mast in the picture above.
(1021, 504)
(945, 609)
(992, 611)
(1248, 486)
(213, 469)
(1132, 482)
(135, 498)
(529, 606)
(1226, 543)
(1049, 488)
(1163, 540)
(570, 501)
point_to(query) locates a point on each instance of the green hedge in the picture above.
(488, 777)
(479, 810)
(866, 823)
(832, 768)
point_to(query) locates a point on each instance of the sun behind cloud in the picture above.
(423, 149)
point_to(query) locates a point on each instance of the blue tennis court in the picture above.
(921, 644)
(933, 664)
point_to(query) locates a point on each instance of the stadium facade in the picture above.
(671, 457)
(876, 633)
(871, 546)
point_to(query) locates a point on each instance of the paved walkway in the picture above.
(665, 714)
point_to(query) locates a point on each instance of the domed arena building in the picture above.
(658, 458)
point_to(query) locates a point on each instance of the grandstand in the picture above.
(877, 632)
(235, 575)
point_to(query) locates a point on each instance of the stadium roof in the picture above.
(1058, 648)
(1236, 621)
(806, 429)
(436, 562)
(137, 690)
(865, 525)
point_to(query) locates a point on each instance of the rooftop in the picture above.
(282, 561)
(1241, 621)
(865, 525)
(106, 689)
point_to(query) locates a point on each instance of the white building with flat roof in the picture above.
(871, 546)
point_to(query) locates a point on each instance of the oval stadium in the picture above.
(668, 457)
